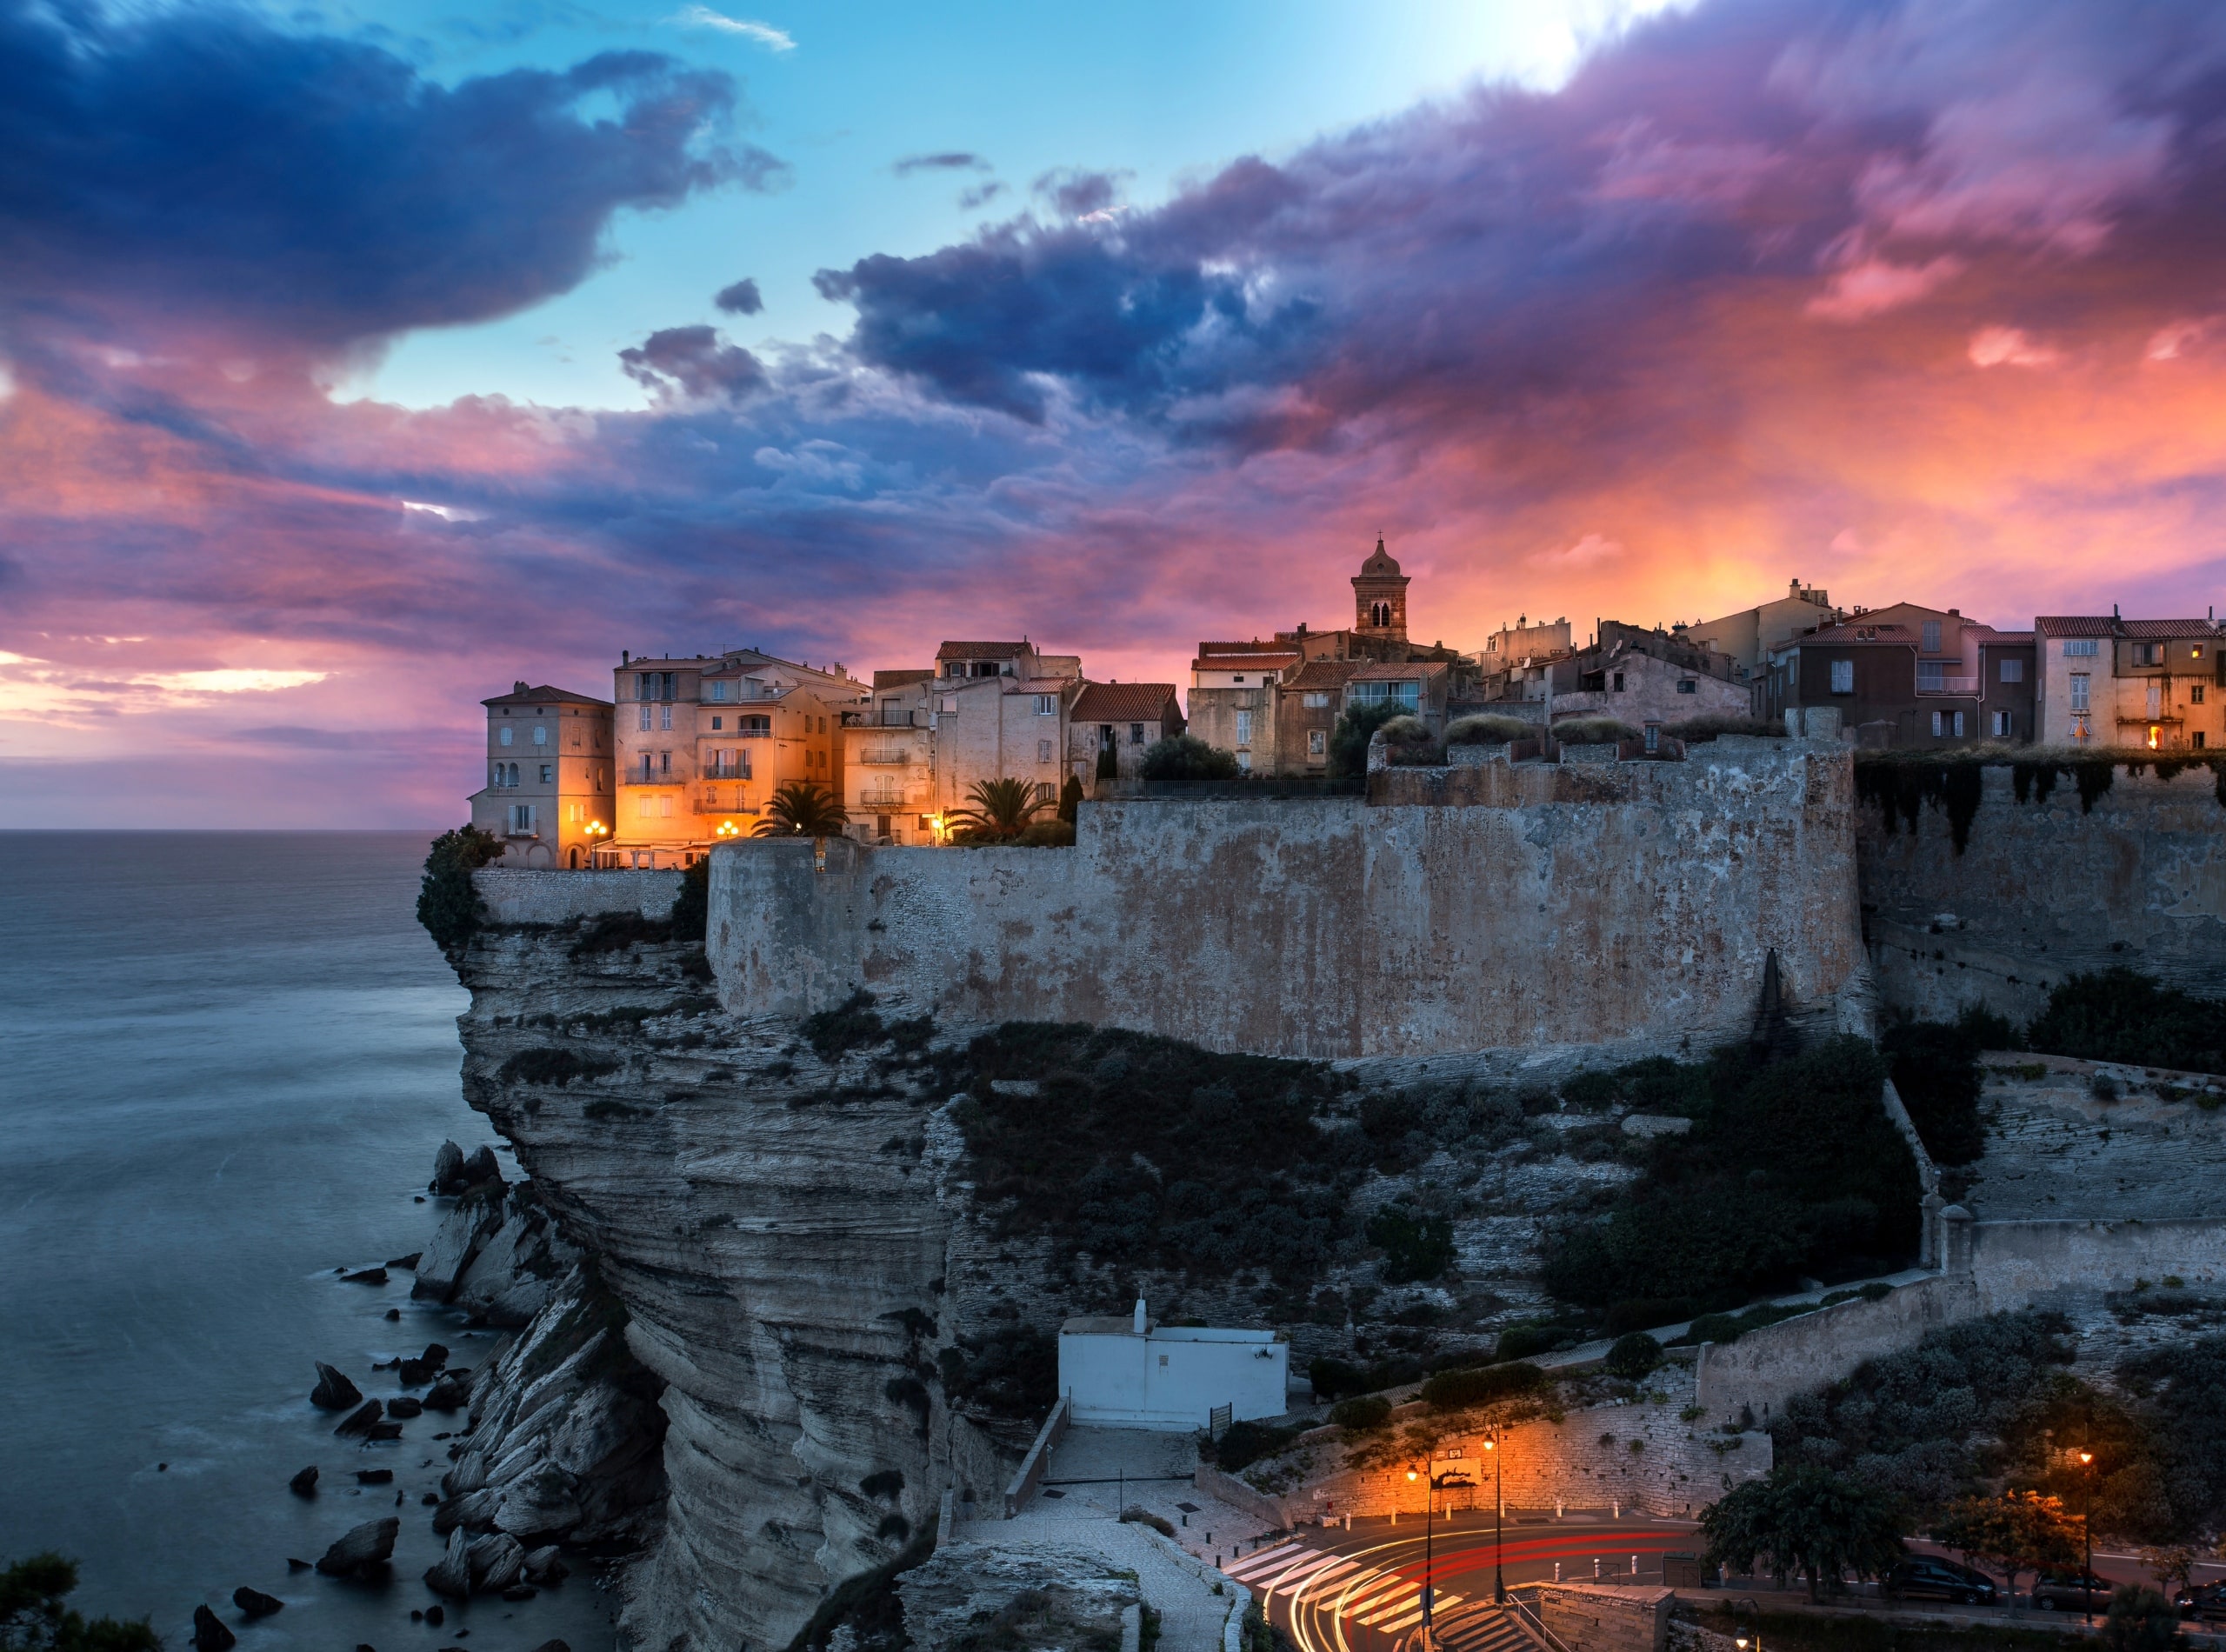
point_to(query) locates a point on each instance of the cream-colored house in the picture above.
(704, 740)
(548, 795)
(1233, 700)
(1000, 710)
(2110, 681)
(889, 761)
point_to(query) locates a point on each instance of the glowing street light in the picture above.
(727, 828)
(2087, 1519)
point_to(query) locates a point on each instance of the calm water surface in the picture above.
(226, 1060)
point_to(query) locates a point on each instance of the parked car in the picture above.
(1934, 1578)
(2071, 1591)
(2206, 1601)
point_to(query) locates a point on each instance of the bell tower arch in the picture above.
(1380, 597)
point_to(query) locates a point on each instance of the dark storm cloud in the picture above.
(694, 360)
(740, 299)
(202, 166)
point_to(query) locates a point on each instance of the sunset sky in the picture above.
(356, 360)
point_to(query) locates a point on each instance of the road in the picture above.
(1335, 1590)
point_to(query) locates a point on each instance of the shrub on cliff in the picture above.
(1011, 1371)
(1593, 731)
(2120, 1015)
(1183, 759)
(691, 908)
(1363, 1413)
(1348, 740)
(1936, 1071)
(33, 1617)
(1805, 1519)
(1457, 1390)
(1634, 1354)
(1416, 1244)
(1790, 1166)
(448, 905)
(1714, 725)
(1490, 730)
(1243, 1443)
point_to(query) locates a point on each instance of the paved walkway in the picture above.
(1093, 1471)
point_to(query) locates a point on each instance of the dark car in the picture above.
(2071, 1591)
(1932, 1577)
(2204, 1601)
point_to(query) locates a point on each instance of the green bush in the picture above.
(2120, 1015)
(1790, 1167)
(1405, 729)
(1416, 1245)
(34, 1619)
(1714, 725)
(1481, 1384)
(1012, 1371)
(1593, 731)
(1634, 1354)
(1185, 759)
(1071, 793)
(1643, 1313)
(2140, 1620)
(448, 905)
(1048, 833)
(1241, 1444)
(1490, 730)
(691, 908)
(1369, 1411)
(1348, 739)
(549, 1065)
(1521, 1341)
(1935, 1069)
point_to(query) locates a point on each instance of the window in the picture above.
(1931, 676)
(1244, 762)
(2155, 700)
(664, 807)
(665, 763)
(2079, 648)
(1137, 730)
(759, 727)
(1244, 729)
(2194, 694)
(927, 822)
(1685, 685)
(576, 812)
(1948, 723)
(1407, 693)
(540, 734)
(2079, 682)
(2148, 653)
(1317, 742)
(1619, 683)
(2013, 670)
(718, 693)
(1315, 702)
(503, 735)
(1043, 751)
(1843, 676)
(548, 773)
(1046, 705)
(1931, 632)
(521, 817)
(718, 723)
(646, 718)
(664, 717)
(1237, 679)
(647, 765)
(2004, 725)
(2196, 739)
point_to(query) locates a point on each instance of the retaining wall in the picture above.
(2043, 889)
(1599, 1618)
(553, 897)
(1547, 905)
(1767, 1367)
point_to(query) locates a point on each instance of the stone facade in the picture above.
(548, 793)
(1336, 927)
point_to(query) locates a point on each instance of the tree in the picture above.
(998, 812)
(2172, 1565)
(1184, 759)
(448, 904)
(2019, 1531)
(1348, 740)
(1109, 762)
(1634, 1354)
(1070, 797)
(34, 1619)
(798, 809)
(1806, 1519)
(2140, 1620)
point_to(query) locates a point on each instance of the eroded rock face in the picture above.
(970, 1594)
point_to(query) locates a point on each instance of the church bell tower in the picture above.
(1380, 597)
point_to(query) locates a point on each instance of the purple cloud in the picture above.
(693, 362)
(740, 299)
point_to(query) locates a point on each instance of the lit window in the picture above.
(1843, 676)
(2013, 670)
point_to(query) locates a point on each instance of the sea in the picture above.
(226, 1060)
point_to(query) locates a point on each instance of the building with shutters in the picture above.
(2105, 681)
(1907, 676)
(1110, 727)
(549, 792)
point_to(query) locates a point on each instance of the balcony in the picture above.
(887, 718)
(1965, 686)
(881, 800)
(725, 771)
(636, 777)
(895, 756)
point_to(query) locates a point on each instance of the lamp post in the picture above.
(1499, 1524)
(2087, 1531)
(1430, 1517)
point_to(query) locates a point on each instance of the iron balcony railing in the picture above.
(1965, 686)
(898, 755)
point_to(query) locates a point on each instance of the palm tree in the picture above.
(798, 809)
(1000, 810)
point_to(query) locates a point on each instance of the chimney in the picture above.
(518, 686)
(625, 655)
(1140, 1317)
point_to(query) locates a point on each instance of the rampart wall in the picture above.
(554, 897)
(2043, 889)
(1541, 905)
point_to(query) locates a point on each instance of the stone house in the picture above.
(1419, 688)
(1307, 705)
(2110, 681)
(1909, 676)
(548, 792)
(1644, 676)
(889, 761)
(1000, 710)
(1119, 720)
(1233, 698)
(704, 740)
(1749, 635)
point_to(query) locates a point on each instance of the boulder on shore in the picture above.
(402, 1406)
(497, 1560)
(482, 1166)
(545, 1565)
(304, 1484)
(255, 1602)
(365, 1551)
(374, 1476)
(364, 1276)
(451, 1574)
(415, 1373)
(436, 1355)
(405, 1262)
(450, 1393)
(448, 1169)
(210, 1633)
(334, 1392)
(360, 1420)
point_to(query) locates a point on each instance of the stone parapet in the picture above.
(555, 898)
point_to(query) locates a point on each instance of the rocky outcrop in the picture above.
(566, 1444)
(972, 1594)
(363, 1552)
(496, 1253)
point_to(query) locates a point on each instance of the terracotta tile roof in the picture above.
(1322, 674)
(1247, 661)
(545, 696)
(1403, 671)
(981, 650)
(2111, 625)
(1859, 631)
(1122, 702)
(2074, 624)
(900, 679)
(1995, 637)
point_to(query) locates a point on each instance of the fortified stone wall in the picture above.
(1539, 905)
(2043, 889)
(554, 897)
(1767, 1367)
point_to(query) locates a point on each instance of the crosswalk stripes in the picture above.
(1382, 1599)
(1482, 1628)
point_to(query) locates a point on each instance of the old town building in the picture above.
(549, 793)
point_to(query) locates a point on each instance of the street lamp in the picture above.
(2087, 1531)
(1499, 1522)
(1429, 1533)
